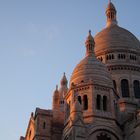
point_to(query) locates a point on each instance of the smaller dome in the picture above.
(91, 69)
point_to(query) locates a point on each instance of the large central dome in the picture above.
(90, 68)
(115, 37)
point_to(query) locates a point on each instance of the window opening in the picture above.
(85, 102)
(136, 85)
(105, 103)
(98, 102)
(125, 88)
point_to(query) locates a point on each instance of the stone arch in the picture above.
(103, 136)
(106, 130)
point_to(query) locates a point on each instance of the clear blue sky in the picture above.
(41, 39)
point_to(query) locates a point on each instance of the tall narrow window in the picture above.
(44, 125)
(125, 88)
(136, 85)
(114, 84)
(105, 103)
(79, 99)
(98, 102)
(85, 102)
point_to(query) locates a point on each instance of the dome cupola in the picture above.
(89, 44)
(111, 14)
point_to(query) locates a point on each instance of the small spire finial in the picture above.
(109, 1)
(89, 32)
(64, 79)
(56, 87)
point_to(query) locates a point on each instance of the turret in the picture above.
(89, 44)
(63, 90)
(111, 14)
(56, 99)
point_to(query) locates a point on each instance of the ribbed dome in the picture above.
(91, 69)
(114, 38)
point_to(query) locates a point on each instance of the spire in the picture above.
(56, 92)
(64, 80)
(55, 103)
(89, 43)
(111, 14)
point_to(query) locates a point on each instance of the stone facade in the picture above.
(103, 99)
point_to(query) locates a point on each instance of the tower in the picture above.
(92, 85)
(58, 101)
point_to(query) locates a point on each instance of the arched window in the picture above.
(125, 88)
(85, 102)
(105, 103)
(79, 99)
(114, 84)
(98, 102)
(103, 137)
(136, 85)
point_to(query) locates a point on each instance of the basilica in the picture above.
(102, 101)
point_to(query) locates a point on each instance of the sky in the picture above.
(39, 41)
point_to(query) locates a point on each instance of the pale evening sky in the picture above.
(41, 39)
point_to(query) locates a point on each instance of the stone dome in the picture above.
(114, 38)
(91, 69)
